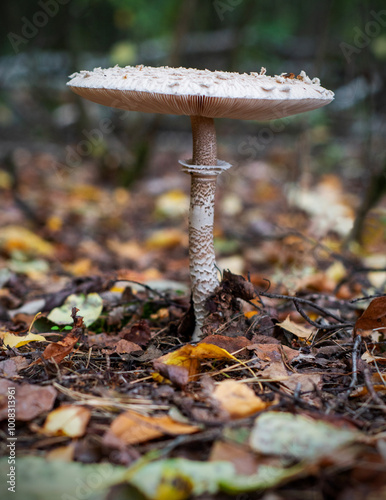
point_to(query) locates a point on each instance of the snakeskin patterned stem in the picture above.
(204, 169)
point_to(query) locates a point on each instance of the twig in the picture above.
(370, 388)
(355, 355)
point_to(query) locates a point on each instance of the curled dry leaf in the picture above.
(67, 420)
(133, 428)
(31, 400)
(238, 399)
(189, 358)
(373, 318)
(299, 331)
(57, 351)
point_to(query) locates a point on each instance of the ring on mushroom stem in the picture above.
(203, 95)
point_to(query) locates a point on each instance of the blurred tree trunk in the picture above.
(374, 193)
(145, 139)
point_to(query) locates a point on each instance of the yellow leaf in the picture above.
(174, 203)
(298, 330)
(238, 399)
(12, 340)
(166, 238)
(67, 420)
(19, 238)
(189, 357)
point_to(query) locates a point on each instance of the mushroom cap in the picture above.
(192, 92)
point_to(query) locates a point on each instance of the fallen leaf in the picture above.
(373, 318)
(238, 399)
(363, 391)
(63, 453)
(371, 358)
(180, 479)
(125, 347)
(274, 352)
(298, 436)
(11, 340)
(172, 204)
(67, 420)
(127, 250)
(40, 479)
(139, 333)
(20, 238)
(11, 367)
(57, 351)
(230, 344)
(244, 460)
(133, 428)
(90, 307)
(299, 331)
(306, 381)
(178, 375)
(31, 400)
(166, 239)
(189, 357)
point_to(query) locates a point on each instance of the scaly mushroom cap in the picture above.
(192, 92)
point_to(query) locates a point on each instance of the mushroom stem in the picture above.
(204, 141)
(201, 250)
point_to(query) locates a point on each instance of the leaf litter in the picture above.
(285, 393)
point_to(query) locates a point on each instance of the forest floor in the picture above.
(283, 399)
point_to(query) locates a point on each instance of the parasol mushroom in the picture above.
(203, 95)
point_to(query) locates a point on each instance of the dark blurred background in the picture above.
(343, 42)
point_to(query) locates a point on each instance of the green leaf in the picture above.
(180, 479)
(298, 437)
(39, 479)
(90, 308)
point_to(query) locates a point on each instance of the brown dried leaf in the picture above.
(126, 347)
(230, 344)
(139, 333)
(132, 428)
(178, 375)
(59, 350)
(10, 367)
(373, 318)
(243, 459)
(31, 400)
